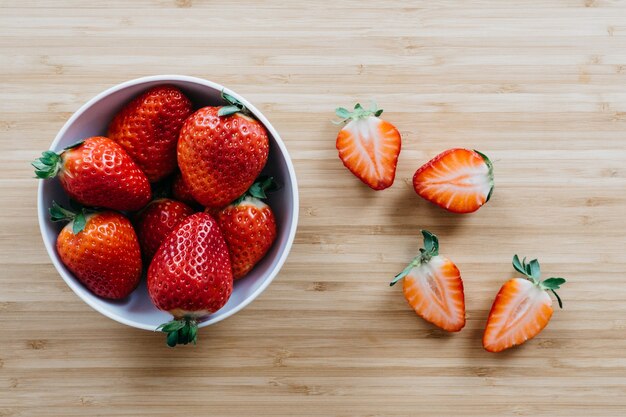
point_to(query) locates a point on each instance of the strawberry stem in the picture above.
(430, 249)
(180, 331)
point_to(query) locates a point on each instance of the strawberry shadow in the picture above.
(147, 355)
(410, 211)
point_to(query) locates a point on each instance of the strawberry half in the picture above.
(221, 151)
(521, 309)
(148, 128)
(433, 287)
(368, 146)
(458, 180)
(97, 172)
(190, 276)
(156, 221)
(249, 228)
(101, 250)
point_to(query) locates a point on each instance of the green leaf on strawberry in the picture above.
(180, 332)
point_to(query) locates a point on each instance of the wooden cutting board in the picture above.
(538, 85)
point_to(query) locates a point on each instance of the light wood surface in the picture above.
(538, 85)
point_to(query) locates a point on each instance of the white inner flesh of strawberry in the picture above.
(366, 135)
(522, 311)
(460, 179)
(436, 300)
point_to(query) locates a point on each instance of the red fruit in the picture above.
(521, 309)
(459, 180)
(181, 191)
(156, 221)
(249, 228)
(434, 288)
(148, 128)
(190, 276)
(221, 151)
(97, 172)
(369, 146)
(101, 250)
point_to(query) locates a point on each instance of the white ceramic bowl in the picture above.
(92, 119)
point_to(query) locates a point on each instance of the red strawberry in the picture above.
(369, 146)
(221, 150)
(156, 221)
(249, 228)
(433, 287)
(101, 250)
(459, 180)
(190, 276)
(181, 191)
(97, 172)
(521, 309)
(148, 127)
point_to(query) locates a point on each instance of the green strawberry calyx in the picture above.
(234, 106)
(49, 163)
(259, 189)
(532, 272)
(359, 112)
(180, 331)
(430, 249)
(59, 213)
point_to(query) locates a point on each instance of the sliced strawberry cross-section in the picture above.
(433, 287)
(458, 180)
(521, 309)
(369, 146)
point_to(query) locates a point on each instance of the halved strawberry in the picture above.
(521, 309)
(368, 146)
(433, 287)
(459, 180)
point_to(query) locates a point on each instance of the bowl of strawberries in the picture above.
(167, 203)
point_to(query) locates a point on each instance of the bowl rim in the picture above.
(76, 286)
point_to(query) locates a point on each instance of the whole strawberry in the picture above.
(156, 221)
(101, 250)
(221, 150)
(181, 191)
(148, 127)
(97, 172)
(249, 228)
(190, 276)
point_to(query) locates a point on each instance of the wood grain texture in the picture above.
(538, 85)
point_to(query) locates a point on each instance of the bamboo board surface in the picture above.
(540, 86)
